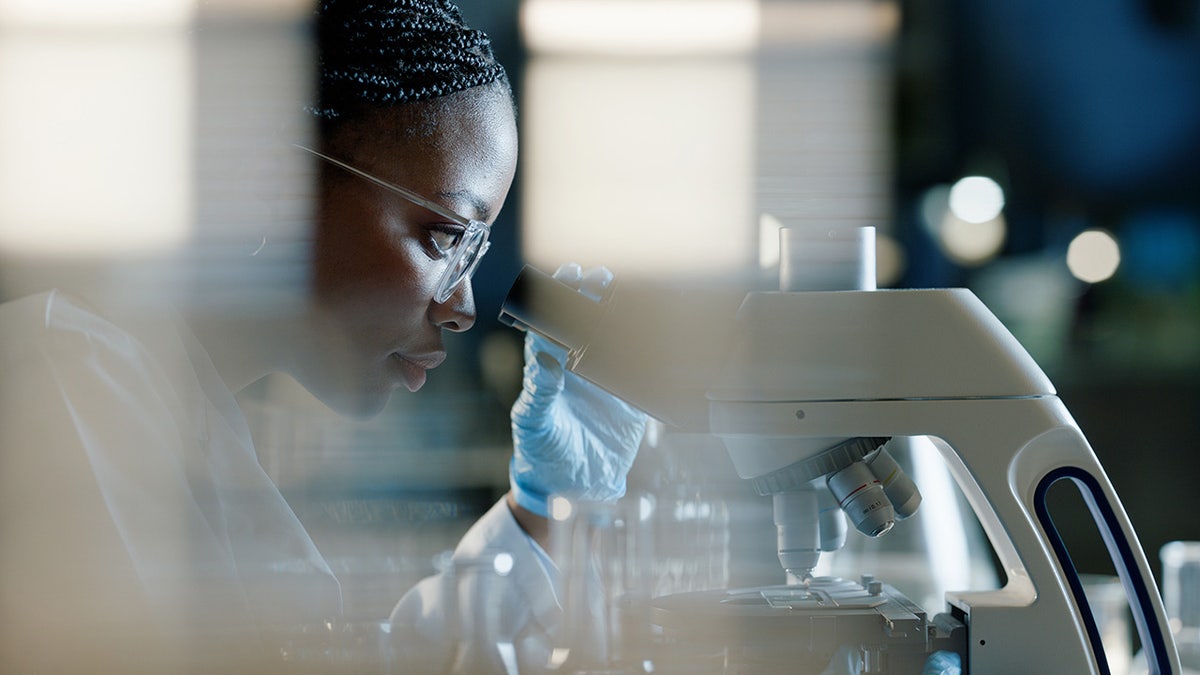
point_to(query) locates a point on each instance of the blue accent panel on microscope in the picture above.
(1123, 558)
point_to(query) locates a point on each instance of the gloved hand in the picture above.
(943, 663)
(570, 437)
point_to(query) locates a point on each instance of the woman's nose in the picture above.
(457, 313)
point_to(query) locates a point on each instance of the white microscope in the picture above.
(803, 388)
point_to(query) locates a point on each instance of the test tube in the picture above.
(1181, 597)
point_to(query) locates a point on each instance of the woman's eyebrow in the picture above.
(482, 209)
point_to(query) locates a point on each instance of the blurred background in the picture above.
(1043, 153)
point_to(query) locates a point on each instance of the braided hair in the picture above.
(379, 54)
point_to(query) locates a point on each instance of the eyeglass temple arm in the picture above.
(403, 192)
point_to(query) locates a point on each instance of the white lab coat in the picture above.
(134, 515)
(479, 617)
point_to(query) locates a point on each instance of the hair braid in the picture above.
(373, 54)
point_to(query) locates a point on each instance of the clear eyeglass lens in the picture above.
(463, 260)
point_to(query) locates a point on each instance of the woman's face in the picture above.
(376, 258)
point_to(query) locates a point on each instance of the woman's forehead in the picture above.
(446, 136)
(466, 161)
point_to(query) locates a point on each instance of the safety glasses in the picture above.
(465, 255)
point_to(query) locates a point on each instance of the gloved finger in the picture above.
(569, 273)
(535, 343)
(595, 281)
(542, 382)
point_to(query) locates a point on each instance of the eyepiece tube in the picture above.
(539, 302)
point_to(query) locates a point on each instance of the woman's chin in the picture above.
(360, 405)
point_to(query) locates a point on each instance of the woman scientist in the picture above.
(131, 501)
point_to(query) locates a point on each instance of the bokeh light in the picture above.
(976, 199)
(966, 220)
(1093, 256)
(972, 244)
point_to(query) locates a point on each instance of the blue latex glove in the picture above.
(570, 437)
(943, 663)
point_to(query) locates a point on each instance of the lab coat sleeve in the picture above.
(476, 616)
(66, 569)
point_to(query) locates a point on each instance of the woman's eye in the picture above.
(444, 238)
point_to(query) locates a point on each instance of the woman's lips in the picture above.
(414, 368)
